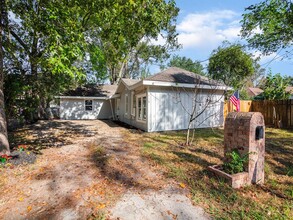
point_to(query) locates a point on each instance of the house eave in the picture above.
(83, 97)
(115, 96)
(138, 84)
(184, 85)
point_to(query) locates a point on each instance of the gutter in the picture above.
(184, 85)
(88, 97)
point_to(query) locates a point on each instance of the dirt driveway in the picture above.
(89, 170)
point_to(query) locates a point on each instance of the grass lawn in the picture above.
(188, 164)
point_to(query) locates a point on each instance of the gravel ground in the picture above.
(97, 171)
(22, 157)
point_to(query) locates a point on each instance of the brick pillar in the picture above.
(240, 133)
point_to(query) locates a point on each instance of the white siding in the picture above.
(72, 109)
(168, 109)
(128, 118)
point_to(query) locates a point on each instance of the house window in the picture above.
(88, 105)
(133, 104)
(126, 104)
(144, 108)
(141, 108)
(117, 105)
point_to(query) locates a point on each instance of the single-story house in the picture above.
(89, 102)
(290, 90)
(160, 102)
(252, 91)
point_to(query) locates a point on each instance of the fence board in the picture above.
(277, 113)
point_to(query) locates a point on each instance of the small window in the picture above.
(126, 104)
(117, 104)
(141, 108)
(88, 105)
(144, 108)
(133, 104)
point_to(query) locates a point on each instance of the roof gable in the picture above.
(254, 91)
(130, 82)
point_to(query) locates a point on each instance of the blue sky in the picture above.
(204, 25)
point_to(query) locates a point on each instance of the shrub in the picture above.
(235, 162)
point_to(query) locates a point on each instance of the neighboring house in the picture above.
(90, 102)
(252, 92)
(290, 90)
(157, 103)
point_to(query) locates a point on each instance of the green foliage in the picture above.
(290, 78)
(244, 95)
(126, 30)
(4, 158)
(275, 87)
(235, 162)
(231, 65)
(187, 64)
(268, 25)
(57, 45)
(45, 42)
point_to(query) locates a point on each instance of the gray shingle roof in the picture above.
(130, 82)
(252, 91)
(178, 75)
(93, 91)
(289, 89)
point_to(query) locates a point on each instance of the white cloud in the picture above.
(208, 30)
(266, 60)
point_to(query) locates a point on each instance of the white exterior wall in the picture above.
(167, 109)
(74, 109)
(127, 117)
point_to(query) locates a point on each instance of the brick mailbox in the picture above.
(245, 132)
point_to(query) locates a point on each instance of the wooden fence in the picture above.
(277, 113)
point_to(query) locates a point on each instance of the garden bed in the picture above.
(236, 180)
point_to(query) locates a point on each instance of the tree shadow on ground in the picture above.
(47, 134)
(121, 163)
(280, 150)
(191, 158)
(206, 152)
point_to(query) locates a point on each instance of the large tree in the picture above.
(44, 40)
(187, 64)
(4, 144)
(231, 65)
(268, 25)
(126, 30)
(52, 44)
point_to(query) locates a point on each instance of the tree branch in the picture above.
(20, 41)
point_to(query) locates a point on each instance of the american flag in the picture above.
(235, 100)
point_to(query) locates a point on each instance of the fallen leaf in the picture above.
(182, 185)
(29, 208)
(20, 199)
(101, 206)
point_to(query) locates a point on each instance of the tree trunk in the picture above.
(188, 133)
(4, 144)
(191, 118)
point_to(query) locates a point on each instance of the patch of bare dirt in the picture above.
(83, 168)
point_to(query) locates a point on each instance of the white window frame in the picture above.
(118, 105)
(88, 105)
(126, 104)
(139, 99)
(133, 104)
